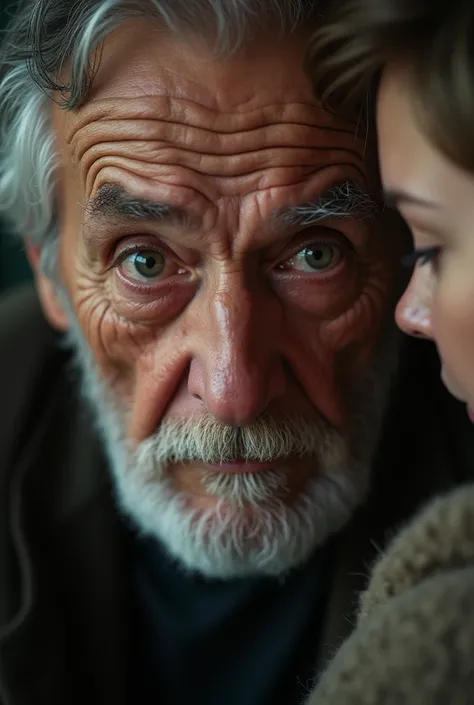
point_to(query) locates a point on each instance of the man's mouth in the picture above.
(241, 466)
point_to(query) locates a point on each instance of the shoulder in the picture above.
(30, 362)
(416, 648)
(22, 321)
(414, 641)
(439, 537)
(19, 311)
(27, 342)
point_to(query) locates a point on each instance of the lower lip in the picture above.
(470, 413)
(241, 467)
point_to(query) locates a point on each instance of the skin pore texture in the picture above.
(233, 348)
(436, 199)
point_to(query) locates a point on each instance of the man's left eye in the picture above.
(144, 264)
(316, 258)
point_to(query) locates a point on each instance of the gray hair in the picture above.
(46, 36)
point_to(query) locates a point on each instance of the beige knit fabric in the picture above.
(414, 640)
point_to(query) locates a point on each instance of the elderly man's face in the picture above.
(217, 307)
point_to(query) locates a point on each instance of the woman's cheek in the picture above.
(453, 321)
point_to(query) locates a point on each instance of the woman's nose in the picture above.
(413, 312)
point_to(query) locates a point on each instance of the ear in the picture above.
(48, 297)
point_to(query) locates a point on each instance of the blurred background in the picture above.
(13, 265)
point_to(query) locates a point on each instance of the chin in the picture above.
(236, 538)
(452, 387)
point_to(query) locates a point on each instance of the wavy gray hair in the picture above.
(45, 36)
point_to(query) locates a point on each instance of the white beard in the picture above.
(250, 530)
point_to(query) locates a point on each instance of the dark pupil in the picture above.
(148, 264)
(319, 257)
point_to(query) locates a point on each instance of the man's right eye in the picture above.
(316, 258)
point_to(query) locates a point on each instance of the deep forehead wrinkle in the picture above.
(151, 145)
(165, 109)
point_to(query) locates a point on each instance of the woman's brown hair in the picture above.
(435, 38)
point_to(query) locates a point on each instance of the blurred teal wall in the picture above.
(13, 265)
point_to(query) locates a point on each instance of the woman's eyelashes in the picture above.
(421, 256)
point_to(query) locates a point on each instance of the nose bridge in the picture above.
(414, 310)
(237, 369)
(234, 319)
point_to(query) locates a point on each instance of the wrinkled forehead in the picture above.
(263, 83)
(163, 113)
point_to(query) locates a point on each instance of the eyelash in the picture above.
(122, 256)
(422, 256)
(328, 237)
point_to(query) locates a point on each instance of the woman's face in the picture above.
(436, 199)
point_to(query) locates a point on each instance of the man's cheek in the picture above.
(350, 345)
(362, 323)
(115, 344)
(316, 375)
(143, 366)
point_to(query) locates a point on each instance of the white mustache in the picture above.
(207, 440)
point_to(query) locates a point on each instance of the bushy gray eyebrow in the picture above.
(113, 201)
(345, 200)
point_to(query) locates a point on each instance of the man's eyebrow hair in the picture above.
(112, 201)
(345, 200)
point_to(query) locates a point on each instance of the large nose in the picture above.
(237, 368)
(413, 312)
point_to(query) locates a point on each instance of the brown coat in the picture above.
(63, 604)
